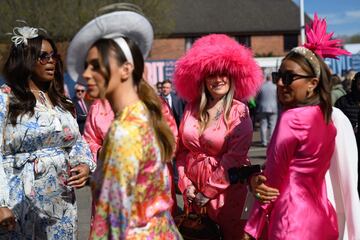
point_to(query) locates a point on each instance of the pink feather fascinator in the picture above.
(217, 54)
(320, 42)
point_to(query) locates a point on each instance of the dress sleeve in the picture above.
(344, 177)
(4, 187)
(181, 155)
(117, 182)
(169, 118)
(91, 135)
(80, 154)
(287, 135)
(238, 142)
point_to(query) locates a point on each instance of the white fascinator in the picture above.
(20, 35)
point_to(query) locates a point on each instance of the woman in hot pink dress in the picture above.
(216, 131)
(300, 149)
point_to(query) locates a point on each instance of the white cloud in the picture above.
(345, 23)
(341, 18)
(353, 14)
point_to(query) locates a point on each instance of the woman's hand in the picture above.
(190, 193)
(201, 200)
(80, 174)
(7, 219)
(246, 237)
(261, 191)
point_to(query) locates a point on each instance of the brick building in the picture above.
(269, 27)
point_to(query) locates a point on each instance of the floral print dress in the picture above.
(36, 156)
(131, 184)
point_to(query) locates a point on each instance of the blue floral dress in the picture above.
(36, 156)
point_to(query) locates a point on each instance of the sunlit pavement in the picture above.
(256, 156)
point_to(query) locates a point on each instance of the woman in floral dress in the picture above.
(43, 156)
(131, 186)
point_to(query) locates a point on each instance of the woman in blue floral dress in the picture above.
(43, 157)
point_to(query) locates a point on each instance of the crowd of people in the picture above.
(136, 145)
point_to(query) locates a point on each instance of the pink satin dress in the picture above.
(203, 160)
(298, 157)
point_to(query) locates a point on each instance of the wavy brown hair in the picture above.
(18, 69)
(146, 93)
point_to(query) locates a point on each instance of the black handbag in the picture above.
(194, 226)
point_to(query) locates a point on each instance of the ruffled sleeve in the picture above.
(4, 186)
(80, 154)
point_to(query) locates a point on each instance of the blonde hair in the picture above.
(205, 95)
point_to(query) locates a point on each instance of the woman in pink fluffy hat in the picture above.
(216, 131)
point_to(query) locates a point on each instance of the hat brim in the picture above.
(120, 23)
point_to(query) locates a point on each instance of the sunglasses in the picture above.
(287, 77)
(80, 91)
(45, 57)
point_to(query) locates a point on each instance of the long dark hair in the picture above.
(323, 89)
(146, 93)
(18, 69)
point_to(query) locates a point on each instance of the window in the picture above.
(290, 41)
(189, 41)
(244, 40)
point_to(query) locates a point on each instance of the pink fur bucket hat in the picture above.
(217, 54)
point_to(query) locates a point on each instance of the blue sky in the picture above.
(343, 16)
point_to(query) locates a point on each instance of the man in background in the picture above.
(267, 110)
(175, 103)
(159, 88)
(81, 107)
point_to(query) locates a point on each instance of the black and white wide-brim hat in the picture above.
(124, 23)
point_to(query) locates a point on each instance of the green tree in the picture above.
(354, 39)
(63, 18)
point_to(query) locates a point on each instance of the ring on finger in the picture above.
(258, 195)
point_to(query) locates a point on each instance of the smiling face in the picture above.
(298, 91)
(44, 68)
(218, 86)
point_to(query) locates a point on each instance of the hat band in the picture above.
(125, 48)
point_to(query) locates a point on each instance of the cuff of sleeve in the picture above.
(3, 203)
(184, 184)
(90, 163)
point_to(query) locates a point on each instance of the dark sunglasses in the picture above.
(287, 77)
(45, 57)
(80, 90)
